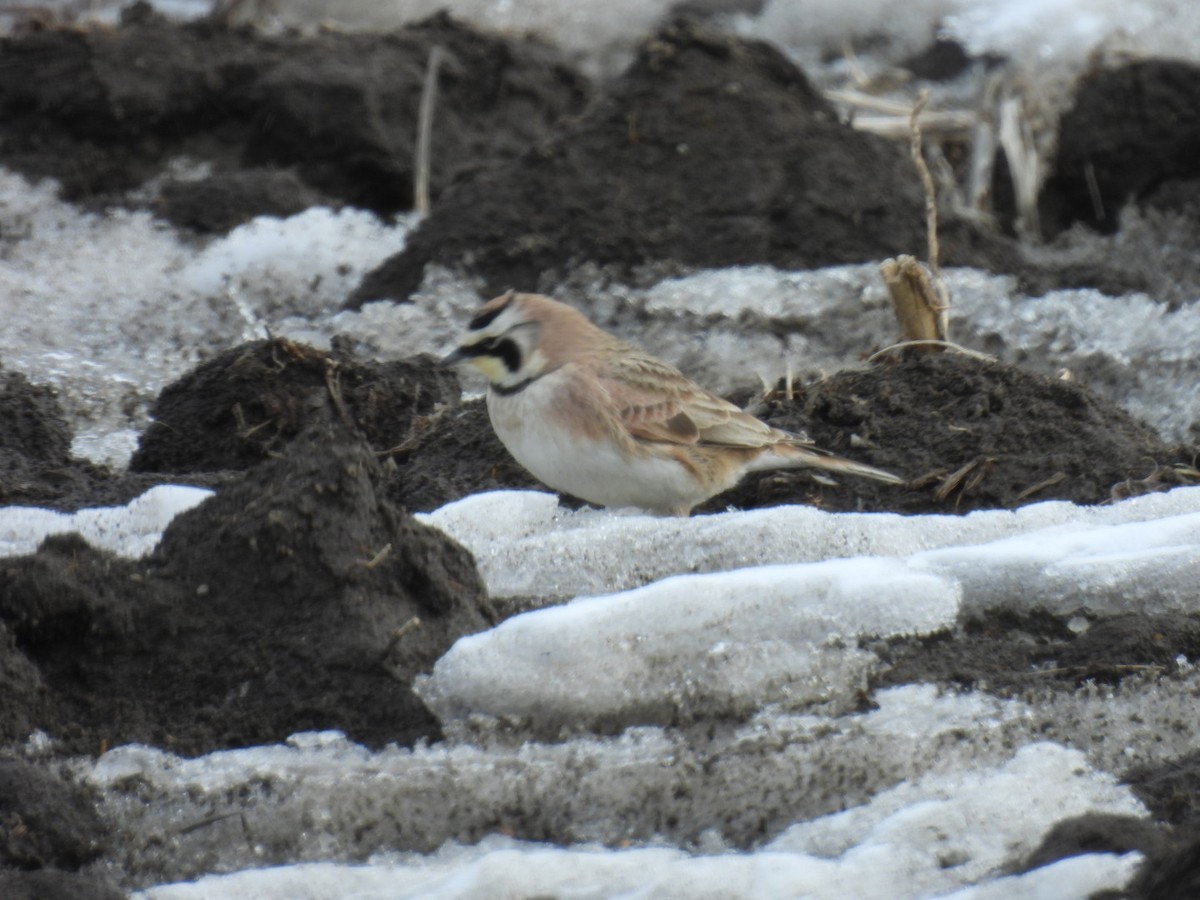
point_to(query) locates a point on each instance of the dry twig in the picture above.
(945, 345)
(921, 302)
(1056, 478)
(978, 469)
(377, 560)
(931, 211)
(425, 129)
(1024, 164)
(397, 636)
(333, 383)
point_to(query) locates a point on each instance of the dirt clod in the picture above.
(709, 151)
(264, 611)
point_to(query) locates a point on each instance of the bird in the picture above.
(593, 416)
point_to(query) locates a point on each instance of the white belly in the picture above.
(592, 470)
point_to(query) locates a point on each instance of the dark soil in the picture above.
(53, 884)
(36, 465)
(1130, 132)
(103, 110)
(269, 609)
(49, 829)
(1097, 833)
(247, 404)
(1171, 791)
(1013, 655)
(35, 442)
(709, 151)
(970, 434)
(457, 453)
(1170, 875)
(32, 837)
(220, 202)
(287, 602)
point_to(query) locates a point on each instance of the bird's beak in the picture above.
(457, 358)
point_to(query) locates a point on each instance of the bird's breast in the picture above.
(565, 438)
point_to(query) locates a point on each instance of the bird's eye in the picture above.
(503, 348)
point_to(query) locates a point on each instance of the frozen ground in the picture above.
(671, 642)
(109, 309)
(882, 849)
(783, 786)
(1060, 34)
(579, 722)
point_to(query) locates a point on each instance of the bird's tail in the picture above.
(794, 456)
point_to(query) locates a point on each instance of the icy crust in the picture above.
(723, 644)
(131, 531)
(110, 308)
(688, 648)
(541, 870)
(733, 327)
(719, 616)
(775, 786)
(526, 545)
(1142, 567)
(1065, 33)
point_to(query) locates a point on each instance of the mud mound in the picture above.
(1131, 131)
(66, 838)
(36, 465)
(285, 603)
(103, 110)
(49, 830)
(48, 884)
(221, 202)
(1174, 875)
(248, 403)
(971, 434)
(1017, 655)
(34, 437)
(456, 454)
(708, 151)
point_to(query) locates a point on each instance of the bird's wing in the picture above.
(654, 401)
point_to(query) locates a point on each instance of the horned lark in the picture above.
(593, 416)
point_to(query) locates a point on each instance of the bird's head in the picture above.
(505, 340)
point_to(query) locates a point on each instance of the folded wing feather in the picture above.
(657, 402)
